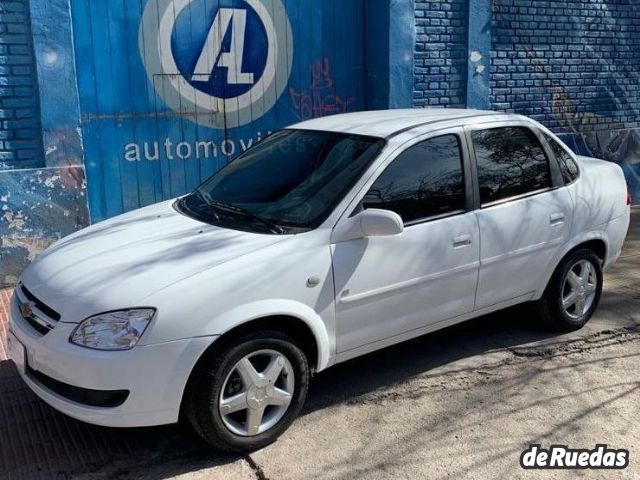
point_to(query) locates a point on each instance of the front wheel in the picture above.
(249, 393)
(573, 292)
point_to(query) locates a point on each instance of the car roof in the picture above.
(387, 123)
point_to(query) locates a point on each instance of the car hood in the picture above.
(117, 263)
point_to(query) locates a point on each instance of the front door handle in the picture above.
(556, 218)
(461, 241)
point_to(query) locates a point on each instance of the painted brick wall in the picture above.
(20, 135)
(440, 53)
(573, 65)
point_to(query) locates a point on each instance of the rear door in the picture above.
(524, 213)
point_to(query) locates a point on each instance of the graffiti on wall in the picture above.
(615, 143)
(320, 99)
(575, 67)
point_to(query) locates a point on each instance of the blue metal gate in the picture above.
(170, 90)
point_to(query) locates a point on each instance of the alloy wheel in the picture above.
(579, 289)
(256, 393)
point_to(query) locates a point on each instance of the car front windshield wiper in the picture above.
(230, 207)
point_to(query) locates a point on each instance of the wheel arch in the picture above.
(598, 245)
(596, 241)
(290, 325)
(292, 318)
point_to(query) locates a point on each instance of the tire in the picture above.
(224, 375)
(551, 306)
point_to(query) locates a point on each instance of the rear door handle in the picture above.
(556, 218)
(461, 241)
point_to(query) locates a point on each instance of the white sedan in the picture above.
(327, 240)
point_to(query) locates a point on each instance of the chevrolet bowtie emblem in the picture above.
(26, 309)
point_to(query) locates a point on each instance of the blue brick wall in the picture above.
(440, 53)
(20, 135)
(573, 65)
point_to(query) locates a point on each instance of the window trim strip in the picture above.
(434, 218)
(533, 193)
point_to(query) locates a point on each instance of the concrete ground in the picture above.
(461, 403)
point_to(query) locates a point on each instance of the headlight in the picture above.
(120, 330)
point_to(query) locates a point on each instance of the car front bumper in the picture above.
(153, 376)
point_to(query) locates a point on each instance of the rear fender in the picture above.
(566, 248)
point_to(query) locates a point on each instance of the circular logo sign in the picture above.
(221, 65)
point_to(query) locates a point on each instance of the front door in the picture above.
(387, 286)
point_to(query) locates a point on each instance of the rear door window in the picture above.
(510, 162)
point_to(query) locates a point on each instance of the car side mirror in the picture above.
(368, 223)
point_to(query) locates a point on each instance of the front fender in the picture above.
(235, 317)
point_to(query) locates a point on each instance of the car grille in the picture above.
(36, 313)
(48, 311)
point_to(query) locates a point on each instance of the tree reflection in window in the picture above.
(423, 181)
(510, 162)
(568, 167)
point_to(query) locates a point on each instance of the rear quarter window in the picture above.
(566, 163)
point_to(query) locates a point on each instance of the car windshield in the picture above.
(289, 182)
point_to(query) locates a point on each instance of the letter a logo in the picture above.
(212, 54)
(219, 61)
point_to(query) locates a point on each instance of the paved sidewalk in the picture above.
(461, 403)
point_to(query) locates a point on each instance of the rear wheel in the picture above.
(573, 292)
(249, 393)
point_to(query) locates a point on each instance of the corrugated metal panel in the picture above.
(155, 127)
